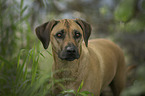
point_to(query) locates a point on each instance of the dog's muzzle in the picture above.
(70, 53)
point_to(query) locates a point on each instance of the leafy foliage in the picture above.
(78, 93)
(125, 10)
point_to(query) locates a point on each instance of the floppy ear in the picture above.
(43, 32)
(86, 30)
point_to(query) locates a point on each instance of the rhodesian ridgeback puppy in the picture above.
(98, 62)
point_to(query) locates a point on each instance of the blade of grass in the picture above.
(21, 5)
(49, 52)
(21, 74)
(42, 55)
(23, 10)
(34, 64)
(80, 87)
(25, 71)
(19, 55)
(21, 70)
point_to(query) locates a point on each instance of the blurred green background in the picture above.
(25, 67)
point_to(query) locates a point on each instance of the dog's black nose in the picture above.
(70, 50)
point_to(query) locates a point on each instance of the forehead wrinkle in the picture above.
(66, 23)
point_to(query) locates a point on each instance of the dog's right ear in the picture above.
(43, 32)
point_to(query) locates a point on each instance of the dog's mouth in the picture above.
(72, 57)
(68, 56)
(69, 53)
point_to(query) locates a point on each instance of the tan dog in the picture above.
(98, 63)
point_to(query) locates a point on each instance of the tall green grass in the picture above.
(29, 81)
(23, 77)
(19, 70)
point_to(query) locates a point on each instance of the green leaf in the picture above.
(125, 10)
(86, 92)
(23, 10)
(82, 94)
(80, 87)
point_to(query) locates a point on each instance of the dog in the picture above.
(97, 62)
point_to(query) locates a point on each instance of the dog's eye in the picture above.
(77, 35)
(59, 35)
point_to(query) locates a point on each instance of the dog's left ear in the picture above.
(43, 32)
(86, 30)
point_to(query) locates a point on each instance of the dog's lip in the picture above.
(70, 57)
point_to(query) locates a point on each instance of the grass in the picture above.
(78, 92)
(30, 80)
(27, 79)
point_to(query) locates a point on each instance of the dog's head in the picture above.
(66, 37)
